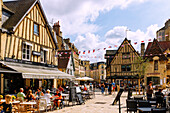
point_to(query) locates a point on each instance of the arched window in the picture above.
(156, 65)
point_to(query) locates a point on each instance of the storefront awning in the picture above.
(37, 72)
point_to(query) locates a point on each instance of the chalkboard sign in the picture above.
(118, 96)
(80, 98)
(72, 95)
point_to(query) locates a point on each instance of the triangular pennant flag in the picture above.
(84, 52)
(88, 51)
(93, 50)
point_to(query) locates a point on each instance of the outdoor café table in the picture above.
(25, 104)
(144, 109)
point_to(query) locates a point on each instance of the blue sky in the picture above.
(94, 24)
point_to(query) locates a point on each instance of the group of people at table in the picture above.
(6, 106)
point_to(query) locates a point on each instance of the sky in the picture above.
(98, 24)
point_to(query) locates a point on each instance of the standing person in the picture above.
(7, 106)
(113, 86)
(21, 95)
(106, 88)
(109, 88)
(149, 90)
(91, 86)
(102, 88)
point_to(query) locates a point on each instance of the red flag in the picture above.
(89, 51)
(79, 52)
(93, 50)
(104, 48)
(135, 43)
(149, 39)
(84, 52)
(142, 41)
(115, 45)
(110, 47)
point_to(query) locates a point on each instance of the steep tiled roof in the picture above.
(157, 48)
(19, 8)
(63, 59)
(163, 44)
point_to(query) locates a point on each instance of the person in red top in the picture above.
(85, 88)
(60, 89)
(58, 98)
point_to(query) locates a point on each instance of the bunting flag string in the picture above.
(115, 46)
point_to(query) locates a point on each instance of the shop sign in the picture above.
(35, 53)
(27, 62)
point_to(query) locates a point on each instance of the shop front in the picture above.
(17, 75)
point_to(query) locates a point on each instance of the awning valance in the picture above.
(37, 72)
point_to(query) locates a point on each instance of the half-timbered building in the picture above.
(158, 65)
(124, 66)
(27, 47)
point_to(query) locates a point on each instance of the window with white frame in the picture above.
(26, 52)
(36, 29)
(43, 56)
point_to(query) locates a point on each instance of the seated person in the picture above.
(39, 93)
(159, 93)
(7, 106)
(58, 98)
(21, 95)
(30, 96)
(85, 88)
(47, 96)
(60, 89)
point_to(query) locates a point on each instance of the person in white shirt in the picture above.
(47, 96)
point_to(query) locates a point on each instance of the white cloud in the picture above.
(78, 17)
(113, 37)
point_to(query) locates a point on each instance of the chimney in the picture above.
(142, 48)
(56, 28)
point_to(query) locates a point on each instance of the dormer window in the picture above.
(36, 29)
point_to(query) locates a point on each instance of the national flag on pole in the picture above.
(79, 52)
(142, 41)
(110, 47)
(88, 51)
(135, 43)
(84, 52)
(93, 50)
(149, 39)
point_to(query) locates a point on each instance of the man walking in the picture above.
(149, 91)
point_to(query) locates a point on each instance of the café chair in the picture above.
(159, 101)
(43, 105)
(131, 105)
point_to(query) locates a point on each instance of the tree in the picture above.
(141, 65)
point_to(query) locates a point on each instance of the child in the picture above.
(7, 106)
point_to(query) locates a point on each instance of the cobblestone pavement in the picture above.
(99, 104)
